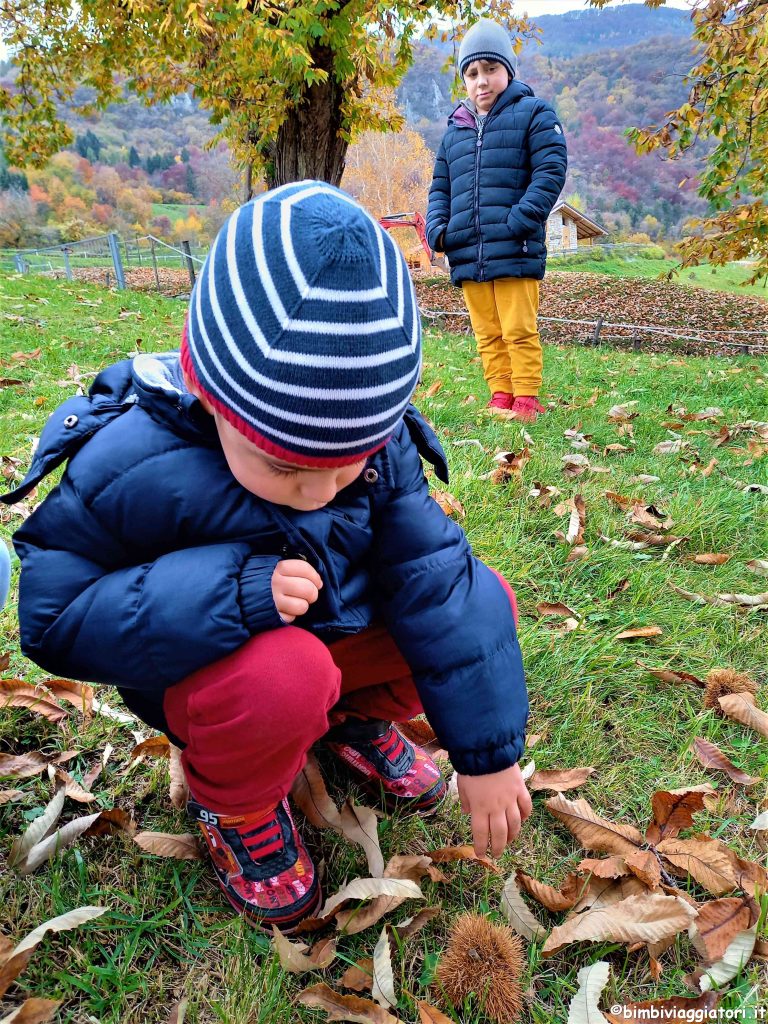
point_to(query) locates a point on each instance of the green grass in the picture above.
(731, 278)
(168, 931)
(175, 211)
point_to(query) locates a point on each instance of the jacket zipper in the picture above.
(478, 147)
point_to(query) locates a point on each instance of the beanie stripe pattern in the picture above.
(303, 329)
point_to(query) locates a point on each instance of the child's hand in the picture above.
(498, 804)
(295, 586)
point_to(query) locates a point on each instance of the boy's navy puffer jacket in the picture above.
(494, 186)
(149, 561)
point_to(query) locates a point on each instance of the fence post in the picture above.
(138, 250)
(190, 264)
(636, 341)
(67, 266)
(19, 263)
(117, 263)
(596, 336)
(154, 262)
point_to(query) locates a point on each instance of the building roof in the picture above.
(585, 226)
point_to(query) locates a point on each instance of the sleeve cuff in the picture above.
(256, 599)
(490, 760)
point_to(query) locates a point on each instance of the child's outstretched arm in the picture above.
(452, 620)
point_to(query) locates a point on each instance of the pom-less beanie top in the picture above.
(303, 329)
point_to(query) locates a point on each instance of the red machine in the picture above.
(409, 220)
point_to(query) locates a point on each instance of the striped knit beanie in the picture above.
(487, 40)
(303, 329)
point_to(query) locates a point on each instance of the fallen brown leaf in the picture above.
(14, 960)
(555, 900)
(179, 790)
(15, 693)
(645, 865)
(358, 824)
(673, 812)
(559, 780)
(383, 983)
(758, 565)
(368, 888)
(757, 601)
(545, 608)
(605, 892)
(165, 844)
(741, 708)
(592, 831)
(620, 587)
(704, 860)
(414, 924)
(359, 976)
(341, 1007)
(33, 1011)
(24, 766)
(708, 558)
(428, 1014)
(510, 466)
(433, 389)
(79, 695)
(297, 958)
(413, 867)
(518, 914)
(675, 676)
(711, 756)
(639, 632)
(154, 746)
(720, 921)
(647, 917)
(449, 504)
(606, 867)
(449, 854)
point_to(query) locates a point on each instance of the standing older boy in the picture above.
(499, 171)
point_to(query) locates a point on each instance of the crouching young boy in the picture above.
(243, 543)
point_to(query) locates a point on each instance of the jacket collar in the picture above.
(465, 115)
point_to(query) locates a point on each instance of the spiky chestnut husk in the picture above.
(488, 960)
(724, 680)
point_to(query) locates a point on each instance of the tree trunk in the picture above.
(309, 144)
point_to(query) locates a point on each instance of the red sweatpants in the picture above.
(248, 720)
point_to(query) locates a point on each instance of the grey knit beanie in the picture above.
(487, 40)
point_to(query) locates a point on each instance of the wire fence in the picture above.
(110, 260)
(149, 263)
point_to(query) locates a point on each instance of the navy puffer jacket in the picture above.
(494, 186)
(149, 561)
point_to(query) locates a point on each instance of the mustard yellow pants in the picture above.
(504, 318)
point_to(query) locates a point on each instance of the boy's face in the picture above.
(273, 479)
(485, 80)
(281, 482)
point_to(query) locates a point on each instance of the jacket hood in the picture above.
(154, 382)
(464, 116)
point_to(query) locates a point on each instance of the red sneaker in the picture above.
(527, 408)
(403, 774)
(262, 864)
(501, 400)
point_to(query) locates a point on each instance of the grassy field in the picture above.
(731, 278)
(175, 211)
(168, 933)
